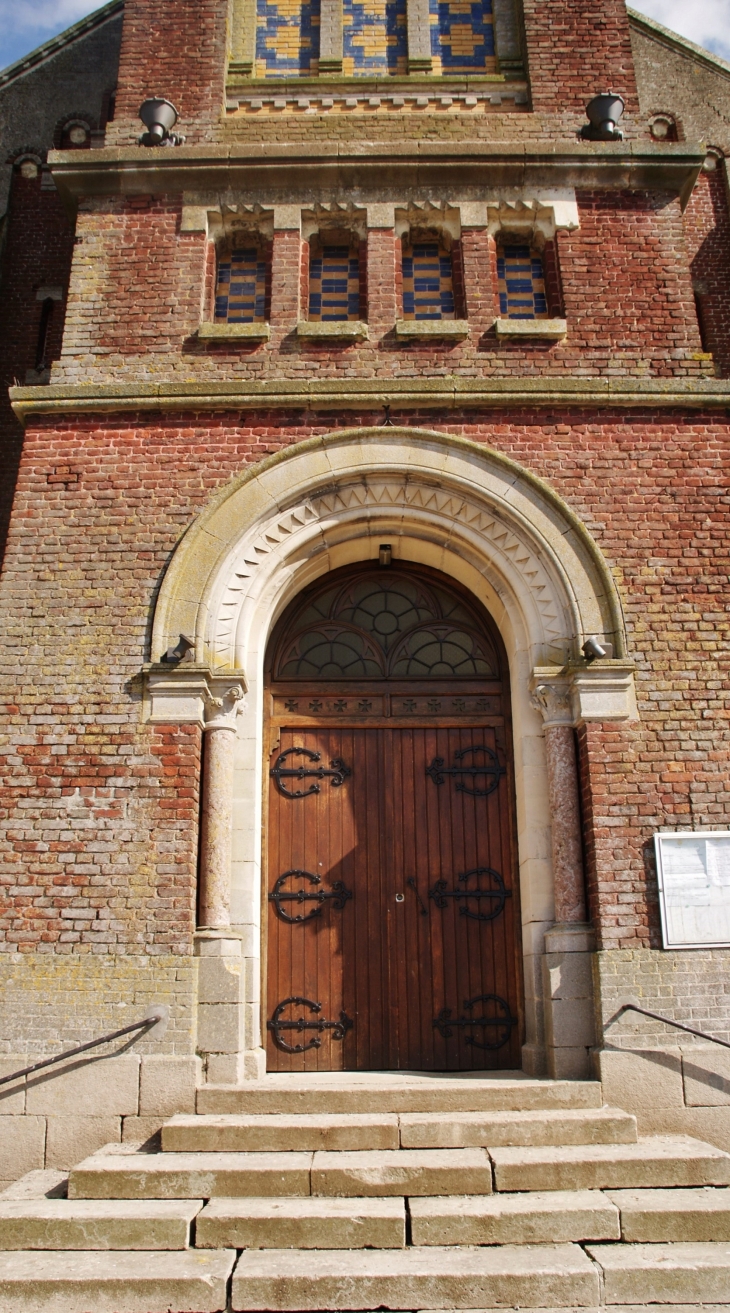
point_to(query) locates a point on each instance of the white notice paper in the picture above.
(693, 869)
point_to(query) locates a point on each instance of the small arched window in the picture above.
(240, 294)
(334, 279)
(428, 281)
(521, 282)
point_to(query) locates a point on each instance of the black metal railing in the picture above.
(154, 1017)
(678, 1025)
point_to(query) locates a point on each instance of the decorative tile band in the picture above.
(334, 285)
(462, 36)
(374, 38)
(287, 38)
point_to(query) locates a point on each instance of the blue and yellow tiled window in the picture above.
(334, 283)
(428, 282)
(462, 36)
(240, 294)
(521, 283)
(374, 38)
(287, 38)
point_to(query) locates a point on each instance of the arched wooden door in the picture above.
(392, 899)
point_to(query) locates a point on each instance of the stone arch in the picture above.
(440, 500)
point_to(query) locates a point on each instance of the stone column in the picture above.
(214, 883)
(419, 36)
(554, 702)
(567, 960)
(330, 37)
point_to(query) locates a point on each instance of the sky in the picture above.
(25, 24)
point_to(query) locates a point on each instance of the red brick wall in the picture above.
(102, 809)
(576, 49)
(138, 287)
(26, 266)
(177, 51)
(707, 226)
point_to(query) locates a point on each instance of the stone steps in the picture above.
(674, 1273)
(377, 1223)
(532, 1276)
(131, 1282)
(383, 1092)
(665, 1161)
(97, 1224)
(553, 1217)
(235, 1175)
(278, 1132)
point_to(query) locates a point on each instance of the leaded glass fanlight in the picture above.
(385, 624)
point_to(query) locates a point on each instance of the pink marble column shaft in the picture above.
(562, 767)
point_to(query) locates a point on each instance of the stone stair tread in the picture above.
(671, 1273)
(264, 1132)
(313, 1223)
(117, 1282)
(540, 1217)
(190, 1175)
(96, 1223)
(380, 1092)
(528, 1276)
(402, 1171)
(553, 1126)
(661, 1160)
(653, 1216)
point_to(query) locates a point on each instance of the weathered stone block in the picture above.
(100, 1088)
(706, 1077)
(220, 1027)
(12, 1096)
(22, 1146)
(69, 1139)
(167, 1085)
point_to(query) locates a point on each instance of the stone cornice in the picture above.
(317, 395)
(264, 171)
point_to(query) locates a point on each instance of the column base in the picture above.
(567, 971)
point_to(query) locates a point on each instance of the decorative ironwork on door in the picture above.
(440, 892)
(339, 895)
(502, 1021)
(491, 769)
(338, 1028)
(338, 772)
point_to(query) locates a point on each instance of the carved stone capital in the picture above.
(189, 694)
(584, 692)
(223, 705)
(552, 699)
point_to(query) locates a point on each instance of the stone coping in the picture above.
(342, 328)
(259, 170)
(432, 328)
(234, 332)
(445, 393)
(553, 329)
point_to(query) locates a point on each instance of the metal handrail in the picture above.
(153, 1018)
(634, 1007)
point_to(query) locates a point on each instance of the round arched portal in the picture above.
(442, 503)
(391, 872)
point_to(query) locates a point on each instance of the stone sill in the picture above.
(355, 329)
(458, 328)
(234, 332)
(553, 330)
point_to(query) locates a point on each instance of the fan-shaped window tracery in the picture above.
(385, 625)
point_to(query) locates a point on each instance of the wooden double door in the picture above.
(391, 901)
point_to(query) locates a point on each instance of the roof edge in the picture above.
(56, 43)
(680, 43)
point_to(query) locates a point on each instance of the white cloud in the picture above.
(706, 22)
(37, 17)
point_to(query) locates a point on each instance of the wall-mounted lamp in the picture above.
(159, 117)
(385, 554)
(604, 112)
(593, 651)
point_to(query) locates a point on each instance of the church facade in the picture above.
(364, 605)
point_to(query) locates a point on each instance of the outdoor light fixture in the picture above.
(592, 650)
(385, 554)
(159, 117)
(604, 112)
